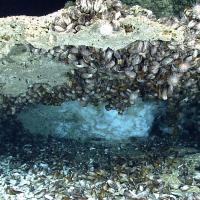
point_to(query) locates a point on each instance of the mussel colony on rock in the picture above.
(154, 69)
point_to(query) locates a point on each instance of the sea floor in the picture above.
(39, 168)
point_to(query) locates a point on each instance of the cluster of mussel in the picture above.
(155, 69)
(85, 12)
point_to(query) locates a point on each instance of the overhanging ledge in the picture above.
(108, 53)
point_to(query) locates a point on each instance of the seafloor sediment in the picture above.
(157, 168)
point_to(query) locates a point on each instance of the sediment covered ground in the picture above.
(36, 167)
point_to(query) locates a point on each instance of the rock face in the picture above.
(162, 8)
(98, 52)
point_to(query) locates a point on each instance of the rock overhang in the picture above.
(43, 63)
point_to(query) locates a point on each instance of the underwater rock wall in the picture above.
(98, 52)
(162, 8)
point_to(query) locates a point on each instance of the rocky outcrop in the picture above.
(98, 52)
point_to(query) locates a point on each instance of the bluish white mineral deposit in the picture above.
(73, 120)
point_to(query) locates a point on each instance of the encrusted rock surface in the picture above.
(98, 51)
(162, 8)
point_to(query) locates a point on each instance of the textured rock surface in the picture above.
(20, 68)
(98, 52)
(162, 7)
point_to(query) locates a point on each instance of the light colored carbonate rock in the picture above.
(19, 68)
